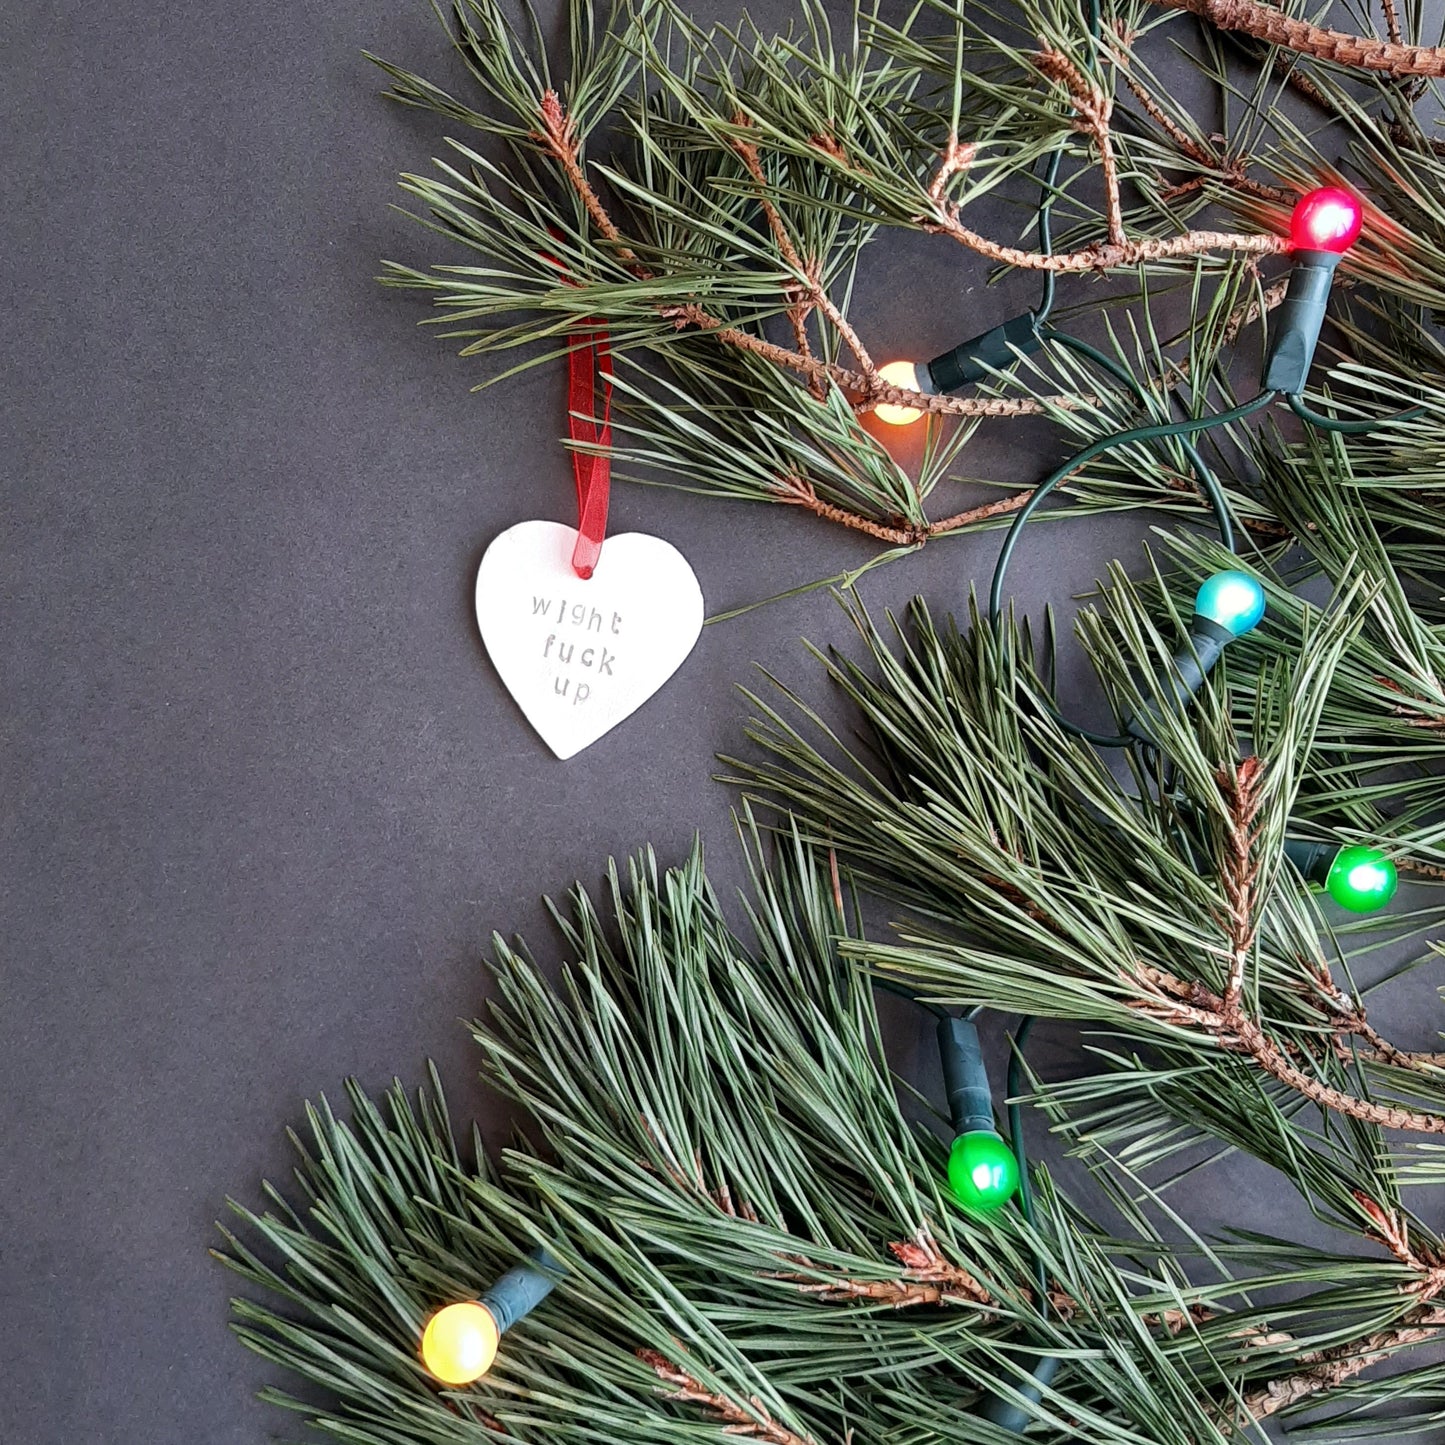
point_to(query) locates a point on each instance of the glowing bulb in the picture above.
(1326, 220)
(982, 1171)
(1233, 600)
(460, 1343)
(1361, 879)
(899, 373)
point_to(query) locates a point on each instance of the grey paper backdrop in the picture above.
(264, 799)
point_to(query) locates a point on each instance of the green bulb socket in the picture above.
(1190, 666)
(977, 358)
(522, 1289)
(982, 1170)
(1295, 329)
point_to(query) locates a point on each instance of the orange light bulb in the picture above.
(460, 1343)
(898, 373)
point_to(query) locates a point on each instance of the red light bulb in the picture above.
(1325, 220)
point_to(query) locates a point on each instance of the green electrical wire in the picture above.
(1349, 428)
(1223, 518)
(1156, 432)
(888, 986)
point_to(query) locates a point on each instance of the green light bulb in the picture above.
(1361, 879)
(982, 1171)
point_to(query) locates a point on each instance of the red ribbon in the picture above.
(591, 359)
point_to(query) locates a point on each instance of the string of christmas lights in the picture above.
(985, 1172)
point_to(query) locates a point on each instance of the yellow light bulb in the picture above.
(460, 1343)
(898, 373)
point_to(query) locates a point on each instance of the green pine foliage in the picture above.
(723, 1166)
(751, 1208)
(713, 196)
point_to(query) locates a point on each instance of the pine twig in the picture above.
(927, 1279)
(748, 153)
(1103, 254)
(1094, 108)
(1241, 872)
(869, 393)
(1174, 1001)
(1326, 1369)
(1393, 1232)
(1232, 172)
(799, 492)
(1392, 21)
(1250, 311)
(558, 134)
(1266, 23)
(750, 1422)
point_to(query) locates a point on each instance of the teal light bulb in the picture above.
(1232, 600)
(982, 1171)
(1361, 879)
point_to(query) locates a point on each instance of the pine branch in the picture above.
(806, 271)
(558, 134)
(1244, 797)
(1101, 255)
(1327, 1369)
(928, 1279)
(1232, 172)
(1175, 1002)
(1093, 106)
(1265, 22)
(797, 491)
(749, 1421)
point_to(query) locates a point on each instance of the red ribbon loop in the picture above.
(590, 360)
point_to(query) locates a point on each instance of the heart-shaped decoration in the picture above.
(578, 656)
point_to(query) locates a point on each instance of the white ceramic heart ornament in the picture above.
(578, 656)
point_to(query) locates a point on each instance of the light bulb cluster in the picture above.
(460, 1341)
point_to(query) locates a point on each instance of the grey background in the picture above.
(264, 799)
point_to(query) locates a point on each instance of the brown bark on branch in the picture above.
(1231, 172)
(1325, 1369)
(1094, 108)
(1182, 1004)
(927, 1279)
(1274, 27)
(854, 382)
(558, 135)
(819, 297)
(748, 1422)
(1222, 1017)
(1241, 872)
(1392, 21)
(798, 492)
(1105, 254)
